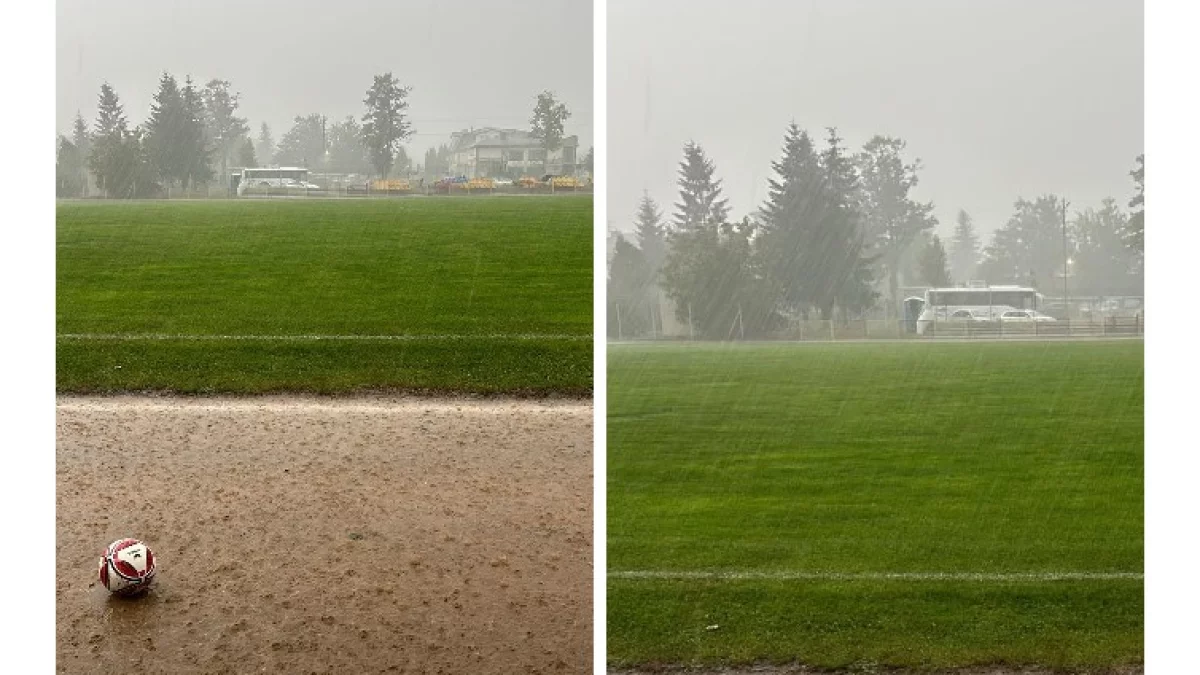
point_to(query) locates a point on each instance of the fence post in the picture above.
(832, 337)
(617, 305)
(741, 326)
(691, 326)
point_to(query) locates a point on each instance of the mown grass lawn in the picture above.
(494, 295)
(996, 458)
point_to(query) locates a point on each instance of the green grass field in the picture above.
(492, 295)
(851, 461)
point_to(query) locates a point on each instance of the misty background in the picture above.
(470, 63)
(999, 99)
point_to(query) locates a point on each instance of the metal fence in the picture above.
(877, 329)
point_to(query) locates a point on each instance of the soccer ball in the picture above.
(127, 567)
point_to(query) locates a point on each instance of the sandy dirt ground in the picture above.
(866, 669)
(328, 536)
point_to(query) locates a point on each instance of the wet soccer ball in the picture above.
(127, 567)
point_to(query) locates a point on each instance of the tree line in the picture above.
(837, 234)
(193, 135)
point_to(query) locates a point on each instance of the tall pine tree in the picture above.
(795, 200)
(933, 264)
(964, 248)
(651, 238)
(194, 137)
(166, 133)
(1135, 230)
(82, 140)
(108, 159)
(700, 205)
(265, 150)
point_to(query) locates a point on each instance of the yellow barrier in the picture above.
(392, 185)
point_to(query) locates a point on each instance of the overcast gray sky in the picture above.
(469, 62)
(998, 98)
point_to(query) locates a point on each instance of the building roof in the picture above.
(492, 137)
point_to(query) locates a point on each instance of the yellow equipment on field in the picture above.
(392, 185)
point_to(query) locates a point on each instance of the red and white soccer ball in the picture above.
(127, 567)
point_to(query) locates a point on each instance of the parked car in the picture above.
(1025, 316)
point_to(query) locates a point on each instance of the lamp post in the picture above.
(1066, 263)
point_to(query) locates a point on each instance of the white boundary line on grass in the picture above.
(785, 575)
(120, 337)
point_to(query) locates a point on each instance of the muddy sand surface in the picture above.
(328, 536)
(867, 669)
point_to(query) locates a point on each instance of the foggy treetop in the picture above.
(469, 63)
(999, 99)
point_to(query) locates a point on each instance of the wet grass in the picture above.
(497, 291)
(958, 458)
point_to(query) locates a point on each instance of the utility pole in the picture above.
(1066, 263)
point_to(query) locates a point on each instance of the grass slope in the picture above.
(1007, 458)
(506, 282)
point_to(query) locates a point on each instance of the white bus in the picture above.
(274, 177)
(975, 303)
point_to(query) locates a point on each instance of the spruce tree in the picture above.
(650, 235)
(843, 275)
(700, 205)
(166, 129)
(193, 137)
(964, 248)
(933, 264)
(1135, 230)
(107, 160)
(265, 151)
(246, 158)
(789, 218)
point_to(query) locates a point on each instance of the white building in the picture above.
(492, 153)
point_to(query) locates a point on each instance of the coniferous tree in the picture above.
(82, 140)
(1135, 230)
(700, 205)
(385, 123)
(628, 301)
(108, 159)
(167, 133)
(195, 145)
(651, 237)
(265, 150)
(67, 163)
(933, 264)
(964, 248)
(246, 157)
(709, 272)
(794, 207)
(845, 277)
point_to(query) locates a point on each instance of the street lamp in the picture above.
(1066, 263)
